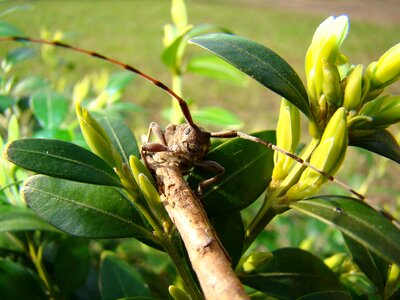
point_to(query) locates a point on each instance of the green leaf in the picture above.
(72, 255)
(13, 218)
(118, 279)
(293, 273)
(230, 229)
(260, 63)
(5, 102)
(248, 168)
(31, 85)
(217, 116)
(13, 241)
(327, 295)
(215, 68)
(16, 282)
(56, 133)
(121, 137)
(84, 210)
(356, 220)
(381, 142)
(118, 81)
(173, 52)
(19, 54)
(49, 108)
(372, 265)
(7, 29)
(61, 159)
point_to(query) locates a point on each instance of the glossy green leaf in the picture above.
(13, 218)
(327, 295)
(371, 264)
(121, 137)
(260, 63)
(72, 255)
(248, 168)
(216, 116)
(230, 229)
(293, 273)
(84, 210)
(61, 159)
(118, 81)
(7, 29)
(356, 220)
(381, 142)
(16, 282)
(216, 68)
(49, 108)
(118, 279)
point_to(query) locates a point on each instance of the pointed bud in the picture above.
(327, 157)
(138, 167)
(382, 112)
(96, 138)
(323, 77)
(331, 83)
(393, 281)
(387, 69)
(178, 294)
(152, 197)
(287, 137)
(353, 89)
(257, 261)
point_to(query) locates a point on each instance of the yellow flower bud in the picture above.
(327, 157)
(393, 280)
(331, 27)
(383, 111)
(152, 197)
(96, 138)
(287, 137)
(387, 69)
(353, 89)
(331, 83)
(138, 167)
(322, 58)
(257, 261)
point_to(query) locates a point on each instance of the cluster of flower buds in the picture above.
(343, 98)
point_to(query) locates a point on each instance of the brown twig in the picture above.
(208, 257)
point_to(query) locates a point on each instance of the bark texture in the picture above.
(209, 260)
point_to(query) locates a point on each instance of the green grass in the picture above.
(131, 31)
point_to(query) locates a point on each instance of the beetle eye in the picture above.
(187, 131)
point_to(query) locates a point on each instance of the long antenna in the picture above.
(182, 104)
(181, 101)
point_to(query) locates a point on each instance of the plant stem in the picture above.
(206, 253)
(186, 275)
(268, 210)
(167, 242)
(36, 256)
